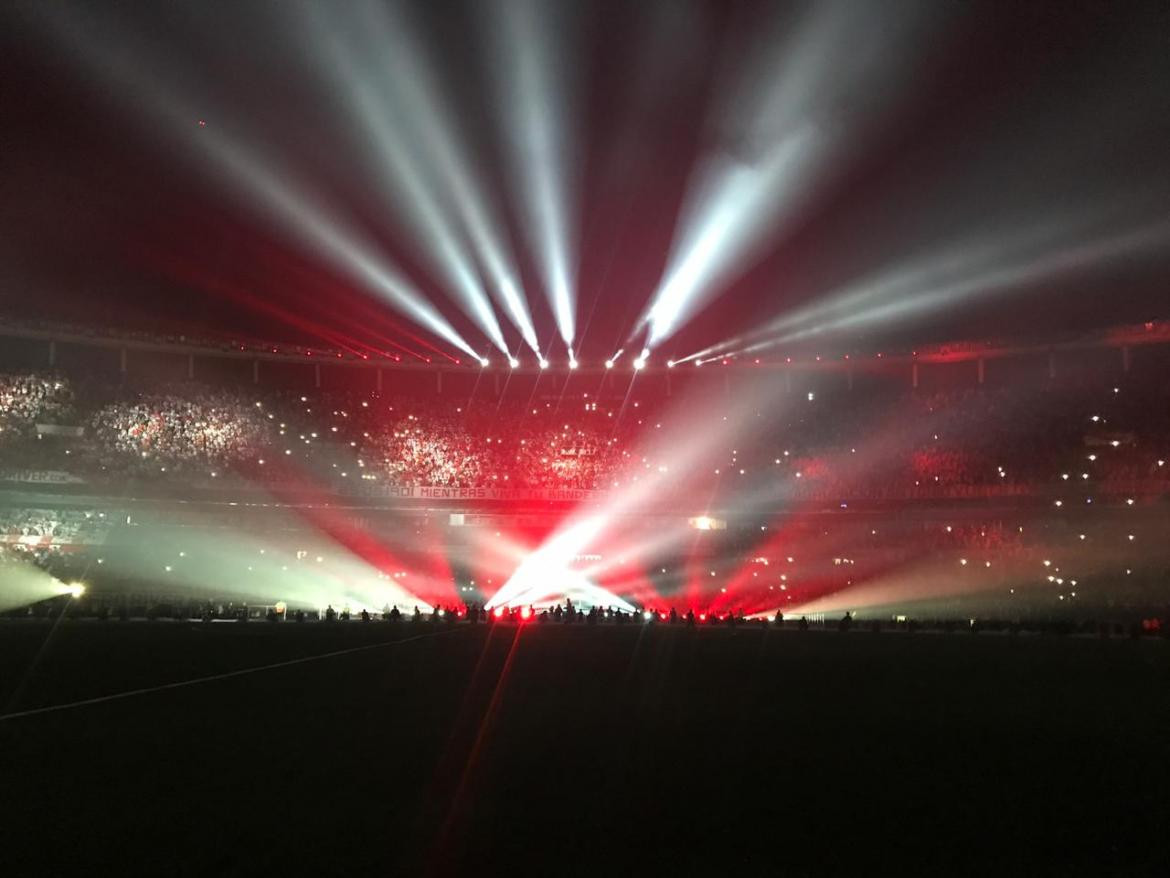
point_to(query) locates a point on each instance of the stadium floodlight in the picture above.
(485, 362)
(609, 364)
(640, 364)
(530, 48)
(513, 362)
(572, 361)
(543, 363)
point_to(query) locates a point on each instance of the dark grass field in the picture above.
(581, 751)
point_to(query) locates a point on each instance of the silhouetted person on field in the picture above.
(365, 615)
(330, 613)
(395, 616)
(803, 624)
(846, 622)
(417, 617)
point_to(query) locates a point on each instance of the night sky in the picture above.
(1013, 114)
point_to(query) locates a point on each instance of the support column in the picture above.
(981, 371)
(256, 372)
(317, 375)
(378, 379)
(52, 353)
(914, 376)
(1125, 359)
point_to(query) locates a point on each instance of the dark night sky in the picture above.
(1016, 113)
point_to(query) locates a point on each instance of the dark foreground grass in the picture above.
(562, 751)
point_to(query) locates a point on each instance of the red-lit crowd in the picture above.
(997, 443)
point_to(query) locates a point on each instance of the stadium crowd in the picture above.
(1004, 442)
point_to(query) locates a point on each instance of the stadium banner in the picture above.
(442, 492)
(40, 477)
(60, 430)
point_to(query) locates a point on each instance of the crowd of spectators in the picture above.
(182, 433)
(1005, 442)
(55, 525)
(27, 399)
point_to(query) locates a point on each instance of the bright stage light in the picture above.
(948, 277)
(123, 62)
(485, 362)
(790, 119)
(573, 362)
(639, 364)
(533, 49)
(670, 364)
(513, 362)
(609, 364)
(388, 33)
(380, 101)
(543, 363)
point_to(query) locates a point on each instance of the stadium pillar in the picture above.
(52, 353)
(980, 365)
(190, 367)
(317, 375)
(378, 380)
(256, 372)
(914, 376)
(1125, 363)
